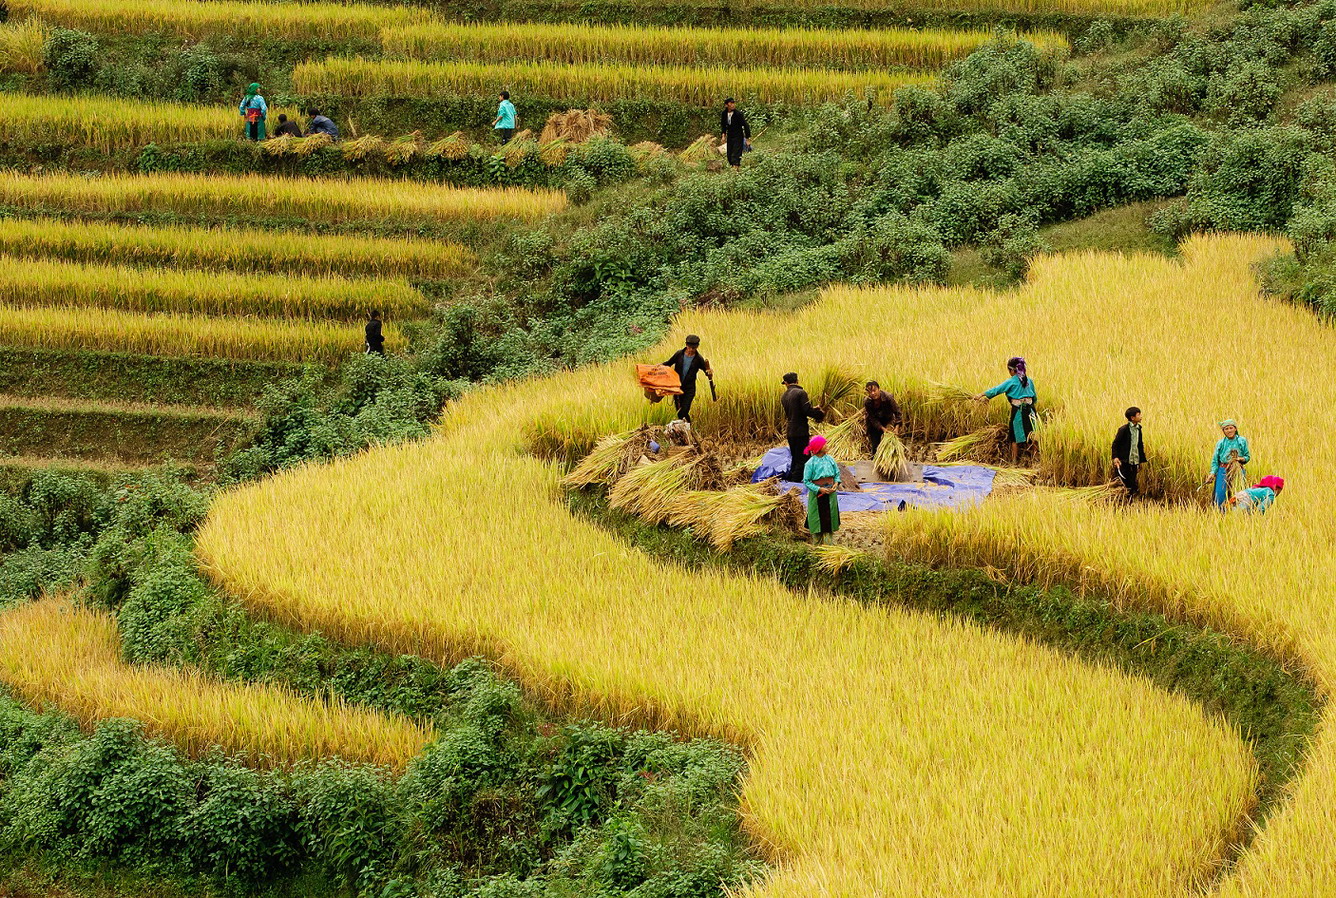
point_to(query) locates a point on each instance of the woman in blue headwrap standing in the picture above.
(1019, 390)
(1231, 454)
(254, 110)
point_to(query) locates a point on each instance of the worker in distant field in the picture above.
(375, 340)
(797, 409)
(1020, 392)
(254, 110)
(287, 128)
(736, 132)
(822, 478)
(321, 124)
(1129, 452)
(1257, 499)
(1230, 458)
(504, 123)
(689, 363)
(880, 411)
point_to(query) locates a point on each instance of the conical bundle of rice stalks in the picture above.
(703, 149)
(453, 148)
(576, 125)
(833, 559)
(648, 491)
(725, 517)
(892, 458)
(847, 440)
(604, 465)
(403, 149)
(519, 148)
(308, 145)
(646, 149)
(363, 148)
(554, 152)
(981, 444)
(837, 391)
(279, 146)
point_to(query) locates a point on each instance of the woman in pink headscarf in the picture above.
(1257, 499)
(821, 476)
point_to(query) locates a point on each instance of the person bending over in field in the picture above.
(322, 125)
(688, 363)
(1257, 499)
(797, 409)
(1230, 459)
(1129, 452)
(736, 132)
(286, 127)
(880, 411)
(821, 477)
(1019, 390)
(504, 123)
(375, 340)
(254, 110)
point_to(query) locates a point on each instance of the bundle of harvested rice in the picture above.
(892, 459)
(404, 148)
(833, 559)
(646, 149)
(519, 148)
(725, 517)
(847, 440)
(648, 491)
(554, 152)
(576, 125)
(453, 148)
(981, 444)
(279, 146)
(1103, 492)
(947, 394)
(363, 148)
(837, 391)
(308, 145)
(603, 466)
(703, 149)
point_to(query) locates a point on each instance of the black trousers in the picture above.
(874, 438)
(504, 134)
(683, 405)
(796, 449)
(1128, 475)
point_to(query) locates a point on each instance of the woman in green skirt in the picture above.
(1019, 390)
(821, 476)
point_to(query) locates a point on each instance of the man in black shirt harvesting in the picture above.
(688, 363)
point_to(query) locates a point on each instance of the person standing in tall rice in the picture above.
(1231, 457)
(254, 110)
(504, 123)
(1129, 452)
(688, 363)
(736, 132)
(797, 409)
(1020, 393)
(822, 479)
(375, 340)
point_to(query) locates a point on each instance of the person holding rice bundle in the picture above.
(821, 476)
(1230, 459)
(1257, 499)
(1020, 392)
(254, 110)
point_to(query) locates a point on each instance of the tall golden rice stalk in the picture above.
(316, 199)
(33, 283)
(583, 44)
(597, 81)
(236, 249)
(51, 651)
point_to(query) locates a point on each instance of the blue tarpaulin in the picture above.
(956, 486)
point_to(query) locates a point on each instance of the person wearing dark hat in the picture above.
(797, 409)
(736, 134)
(688, 363)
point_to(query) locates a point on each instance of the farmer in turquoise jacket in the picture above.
(1230, 457)
(254, 110)
(504, 123)
(1019, 390)
(821, 476)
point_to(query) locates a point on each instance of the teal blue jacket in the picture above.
(1014, 389)
(1223, 448)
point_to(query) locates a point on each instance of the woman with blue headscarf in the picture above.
(1019, 390)
(1230, 457)
(254, 111)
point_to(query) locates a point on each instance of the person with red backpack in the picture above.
(254, 110)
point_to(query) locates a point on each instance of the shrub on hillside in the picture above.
(71, 58)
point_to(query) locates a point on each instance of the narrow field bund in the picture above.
(330, 201)
(694, 86)
(235, 249)
(38, 283)
(266, 544)
(572, 44)
(120, 434)
(51, 651)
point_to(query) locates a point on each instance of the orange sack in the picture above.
(658, 381)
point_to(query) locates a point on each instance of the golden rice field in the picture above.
(21, 47)
(51, 651)
(236, 249)
(34, 283)
(204, 18)
(891, 753)
(699, 86)
(173, 334)
(110, 123)
(578, 44)
(314, 199)
(1129, 8)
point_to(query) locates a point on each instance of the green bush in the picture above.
(71, 58)
(1011, 245)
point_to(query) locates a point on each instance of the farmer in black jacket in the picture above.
(736, 132)
(1129, 451)
(375, 341)
(688, 363)
(797, 409)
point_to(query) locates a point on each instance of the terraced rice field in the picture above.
(968, 768)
